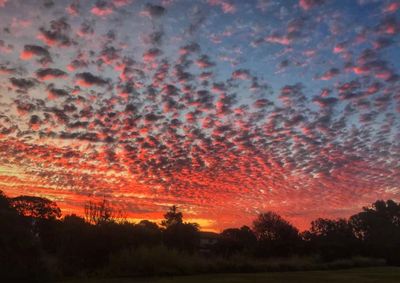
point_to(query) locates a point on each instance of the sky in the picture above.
(225, 108)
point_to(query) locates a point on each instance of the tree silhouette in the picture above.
(179, 235)
(20, 254)
(37, 242)
(235, 240)
(182, 236)
(172, 217)
(4, 202)
(378, 227)
(332, 239)
(276, 236)
(101, 212)
(36, 207)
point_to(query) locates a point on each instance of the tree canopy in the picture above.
(36, 207)
(172, 217)
(275, 235)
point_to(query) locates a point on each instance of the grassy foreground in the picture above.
(356, 275)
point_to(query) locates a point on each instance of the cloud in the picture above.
(204, 62)
(5, 70)
(154, 37)
(73, 8)
(121, 3)
(50, 74)
(226, 6)
(330, 74)
(279, 39)
(389, 26)
(189, 48)
(325, 101)
(35, 122)
(22, 83)
(262, 103)
(117, 102)
(57, 34)
(53, 38)
(153, 11)
(54, 93)
(309, 4)
(102, 9)
(34, 50)
(87, 79)
(151, 54)
(241, 74)
(6, 48)
(391, 7)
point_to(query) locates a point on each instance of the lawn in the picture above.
(359, 275)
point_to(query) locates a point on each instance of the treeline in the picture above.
(38, 244)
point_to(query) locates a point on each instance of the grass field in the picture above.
(359, 275)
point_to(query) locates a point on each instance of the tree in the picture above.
(234, 240)
(147, 233)
(179, 235)
(77, 245)
(172, 217)
(378, 227)
(332, 239)
(4, 202)
(20, 254)
(101, 212)
(276, 236)
(36, 207)
(182, 236)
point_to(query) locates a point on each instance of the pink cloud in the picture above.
(308, 4)
(279, 39)
(6, 48)
(339, 48)
(151, 55)
(101, 10)
(121, 3)
(72, 9)
(392, 7)
(227, 7)
(241, 74)
(330, 74)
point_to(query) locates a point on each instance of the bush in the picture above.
(153, 261)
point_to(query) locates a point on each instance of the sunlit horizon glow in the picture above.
(225, 108)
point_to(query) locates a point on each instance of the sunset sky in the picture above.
(226, 108)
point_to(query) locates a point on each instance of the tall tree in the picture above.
(378, 227)
(275, 235)
(172, 217)
(20, 254)
(179, 235)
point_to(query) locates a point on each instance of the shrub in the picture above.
(157, 260)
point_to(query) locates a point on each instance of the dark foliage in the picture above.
(332, 239)
(36, 207)
(179, 235)
(236, 240)
(276, 236)
(172, 217)
(378, 227)
(101, 212)
(20, 255)
(37, 246)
